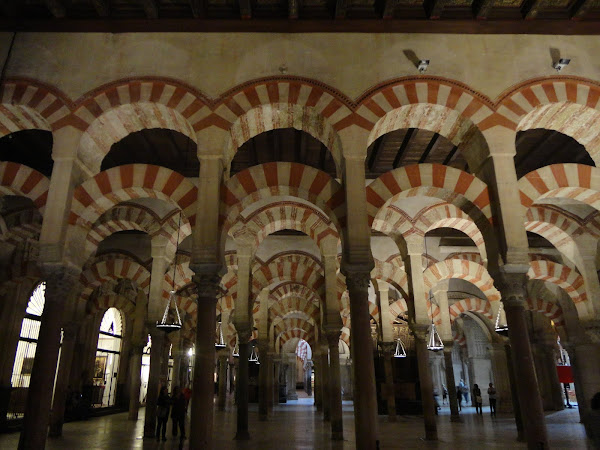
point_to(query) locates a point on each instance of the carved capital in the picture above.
(60, 280)
(358, 280)
(420, 331)
(207, 284)
(512, 287)
(388, 348)
(333, 336)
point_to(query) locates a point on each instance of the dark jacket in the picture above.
(163, 405)
(179, 407)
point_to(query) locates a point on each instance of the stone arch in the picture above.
(28, 104)
(465, 270)
(567, 279)
(286, 215)
(454, 186)
(285, 179)
(514, 104)
(392, 274)
(104, 302)
(17, 179)
(113, 269)
(292, 334)
(573, 181)
(290, 266)
(478, 305)
(291, 296)
(20, 226)
(549, 309)
(281, 325)
(398, 307)
(97, 195)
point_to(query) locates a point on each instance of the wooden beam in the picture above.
(450, 156)
(531, 9)
(57, 8)
(150, 8)
(293, 9)
(102, 7)
(245, 9)
(197, 8)
(482, 11)
(430, 146)
(341, 9)
(403, 146)
(436, 9)
(580, 9)
(374, 156)
(388, 9)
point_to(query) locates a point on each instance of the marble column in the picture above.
(513, 297)
(270, 381)
(206, 279)
(421, 332)
(389, 392)
(324, 378)
(139, 338)
(292, 377)
(59, 281)
(263, 376)
(501, 377)
(318, 380)
(514, 395)
(335, 390)
(545, 369)
(223, 356)
(365, 394)
(158, 339)
(57, 415)
(276, 370)
(242, 432)
(451, 382)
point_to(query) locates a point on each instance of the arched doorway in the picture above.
(21, 374)
(108, 358)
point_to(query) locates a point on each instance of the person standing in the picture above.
(444, 394)
(492, 396)
(477, 399)
(459, 397)
(178, 412)
(163, 404)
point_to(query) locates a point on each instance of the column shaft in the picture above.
(242, 389)
(335, 390)
(451, 382)
(156, 354)
(426, 385)
(325, 386)
(263, 384)
(223, 363)
(389, 394)
(135, 381)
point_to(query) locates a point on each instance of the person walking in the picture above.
(178, 412)
(163, 404)
(477, 399)
(444, 394)
(459, 397)
(492, 396)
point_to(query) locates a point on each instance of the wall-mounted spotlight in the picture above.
(561, 64)
(423, 65)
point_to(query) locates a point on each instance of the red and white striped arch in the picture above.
(30, 105)
(392, 274)
(454, 186)
(296, 333)
(464, 270)
(17, 179)
(20, 226)
(551, 310)
(524, 98)
(398, 307)
(570, 181)
(444, 106)
(280, 325)
(104, 302)
(477, 305)
(566, 278)
(282, 179)
(287, 215)
(113, 268)
(290, 266)
(97, 195)
(288, 297)
(467, 256)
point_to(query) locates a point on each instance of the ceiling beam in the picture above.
(430, 146)
(531, 9)
(150, 8)
(293, 9)
(197, 8)
(57, 8)
(450, 156)
(388, 9)
(580, 9)
(341, 9)
(374, 156)
(102, 7)
(403, 147)
(482, 11)
(245, 9)
(436, 9)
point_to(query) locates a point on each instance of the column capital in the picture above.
(244, 332)
(60, 280)
(357, 279)
(512, 284)
(207, 278)
(420, 331)
(388, 348)
(333, 336)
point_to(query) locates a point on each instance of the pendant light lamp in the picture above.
(400, 350)
(171, 320)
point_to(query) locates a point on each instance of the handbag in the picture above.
(478, 399)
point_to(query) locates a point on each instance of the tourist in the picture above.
(477, 399)
(492, 397)
(162, 413)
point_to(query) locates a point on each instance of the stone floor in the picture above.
(296, 425)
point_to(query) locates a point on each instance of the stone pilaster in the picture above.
(59, 281)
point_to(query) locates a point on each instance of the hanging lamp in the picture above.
(171, 320)
(400, 350)
(254, 356)
(501, 325)
(236, 350)
(434, 341)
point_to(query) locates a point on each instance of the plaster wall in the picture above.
(352, 63)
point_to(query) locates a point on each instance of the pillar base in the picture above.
(242, 436)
